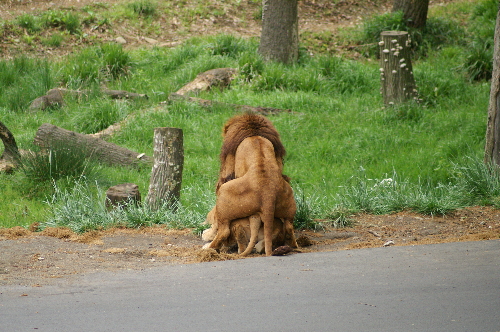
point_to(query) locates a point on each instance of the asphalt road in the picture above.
(444, 287)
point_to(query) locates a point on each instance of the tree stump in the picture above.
(396, 72)
(123, 195)
(166, 175)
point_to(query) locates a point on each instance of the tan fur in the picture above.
(241, 233)
(235, 131)
(259, 191)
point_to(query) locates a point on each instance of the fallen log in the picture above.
(239, 108)
(55, 97)
(219, 77)
(108, 153)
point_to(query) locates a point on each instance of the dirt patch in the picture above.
(38, 258)
(315, 16)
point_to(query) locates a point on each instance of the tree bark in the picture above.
(492, 149)
(279, 40)
(166, 175)
(220, 77)
(396, 73)
(99, 149)
(414, 11)
(11, 152)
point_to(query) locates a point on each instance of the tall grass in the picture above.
(337, 127)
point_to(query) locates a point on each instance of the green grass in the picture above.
(342, 143)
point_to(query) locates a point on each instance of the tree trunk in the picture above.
(166, 176)
(492, 149)
(11, 152)
(414, 11)
(396, 73)
(99, 149)
(279, 40)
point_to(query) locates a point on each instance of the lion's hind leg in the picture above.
(255, 223)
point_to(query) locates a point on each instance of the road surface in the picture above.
(443, 287)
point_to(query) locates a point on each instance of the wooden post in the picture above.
(166, 175)
(396, 72)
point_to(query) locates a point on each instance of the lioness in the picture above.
(240, 233)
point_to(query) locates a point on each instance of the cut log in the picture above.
(239, 108)
(10, 157)
(166, 175)
(396, 73)
(122, 94)
(123, 195)
(97, 148)
(220, 77)
(55, 97)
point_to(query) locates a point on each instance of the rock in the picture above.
(120, 40)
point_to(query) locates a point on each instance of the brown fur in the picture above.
(259, 191)
(235, 131)
(241, 233)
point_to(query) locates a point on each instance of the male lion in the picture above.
(235, 131)
(259, 190)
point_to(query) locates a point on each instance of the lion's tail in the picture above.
(255, 222)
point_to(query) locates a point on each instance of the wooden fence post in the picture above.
(396, 72)
(166, 176)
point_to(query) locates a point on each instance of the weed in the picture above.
(227, 45)
(479, 180)
(29, 22)
(59, 161)
(307, 210)
(116, 60)
(63, 20)
(340, 217)
(144, 8)
(55, 40)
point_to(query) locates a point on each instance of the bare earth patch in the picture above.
(39, 258)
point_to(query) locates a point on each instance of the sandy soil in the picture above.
(39, 258)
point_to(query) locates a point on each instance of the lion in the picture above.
(235, 131)
(259, 191)
(240, 233)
